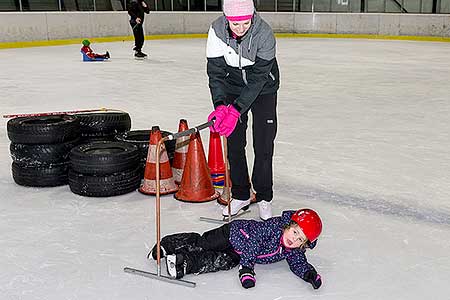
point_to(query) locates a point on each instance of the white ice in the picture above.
(363, 139)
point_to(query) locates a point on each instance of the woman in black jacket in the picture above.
(243, 76)
(136, 11)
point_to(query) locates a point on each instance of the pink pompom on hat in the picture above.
(238, 10)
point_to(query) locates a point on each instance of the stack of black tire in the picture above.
(100, 166)
(104, 168)
(95, 153)
(141, 139)
(40, 148)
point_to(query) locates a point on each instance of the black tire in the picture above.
(43, 154)
(104, 185)
(40, 176)
(43, 130)
(141, 139)
(104, 124)
(104, 157)
(86, 138)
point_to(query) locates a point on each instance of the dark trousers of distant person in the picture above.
(138, 32)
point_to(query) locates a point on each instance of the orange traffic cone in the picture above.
(196, 184)
(215, 160)
(181, 149)
(167, 184)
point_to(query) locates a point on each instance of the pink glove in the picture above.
(229, 122)
(219, 113)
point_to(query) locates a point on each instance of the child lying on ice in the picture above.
(246, 243)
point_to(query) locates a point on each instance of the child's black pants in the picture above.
(209, 252)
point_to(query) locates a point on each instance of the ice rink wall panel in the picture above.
(42, 26)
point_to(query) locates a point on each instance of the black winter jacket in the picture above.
(137, 10)
(246, 67)
(260, 243)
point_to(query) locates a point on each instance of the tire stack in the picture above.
(40, 148)
(103, 169)
(141, 138)
(103, 126)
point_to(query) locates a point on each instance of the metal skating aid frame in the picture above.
(158, 275)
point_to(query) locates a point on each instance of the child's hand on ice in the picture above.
(313, 278)
(247, 277)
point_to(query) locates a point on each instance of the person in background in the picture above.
(136, 10)
(243, 76)
(246, 243)
(90, 53)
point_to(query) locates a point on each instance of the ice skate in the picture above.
(140, 55)
(235, 207)
(176, 265)
(265, 210)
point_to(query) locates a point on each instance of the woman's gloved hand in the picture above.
(219, 114)
(226, 127)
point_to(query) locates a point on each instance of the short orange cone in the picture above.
(181, 149)
(196, 184)
(215, 160)
(167, 184)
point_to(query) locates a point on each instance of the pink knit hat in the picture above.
(238, 10)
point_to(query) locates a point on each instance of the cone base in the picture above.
(215, 196)
(167, 186)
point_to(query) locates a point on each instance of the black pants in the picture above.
(138, 32)
(264, 127)
(209, 252)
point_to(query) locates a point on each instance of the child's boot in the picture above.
(153, 253)
(236, 206)
(107, 55)
(265, 209)
(176, 265)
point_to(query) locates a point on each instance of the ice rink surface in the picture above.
(363, 139)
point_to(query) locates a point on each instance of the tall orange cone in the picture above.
(167, 183)
(196, 184)
(181, 149)
(215, 160)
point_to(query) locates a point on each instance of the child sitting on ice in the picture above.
(86, 49)
(246, 242)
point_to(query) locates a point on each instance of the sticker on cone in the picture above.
(167, 183)
(196, 184)
(181, 149)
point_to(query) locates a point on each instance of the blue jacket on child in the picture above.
(260, 242)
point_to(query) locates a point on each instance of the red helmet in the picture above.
(309, 221)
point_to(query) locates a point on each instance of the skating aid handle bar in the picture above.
(189, 131)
